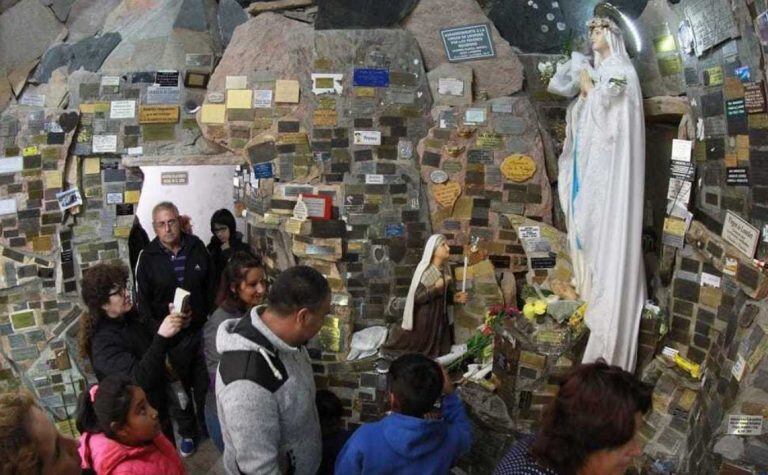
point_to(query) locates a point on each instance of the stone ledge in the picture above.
(175, 160)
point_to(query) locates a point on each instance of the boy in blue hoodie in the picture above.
(405, 442)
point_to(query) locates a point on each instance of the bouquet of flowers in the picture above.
(480, 345)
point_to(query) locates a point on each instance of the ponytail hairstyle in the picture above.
(105, 406)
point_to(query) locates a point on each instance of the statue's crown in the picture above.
(604, 22)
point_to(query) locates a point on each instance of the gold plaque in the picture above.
(518, 168)
(446, 194)
(324, 118)
(158, 114)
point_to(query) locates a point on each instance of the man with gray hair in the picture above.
(175, 259)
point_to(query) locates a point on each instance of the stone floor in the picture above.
(205, 461)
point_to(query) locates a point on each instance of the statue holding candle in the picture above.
(426, 326)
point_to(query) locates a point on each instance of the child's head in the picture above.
(415, 383)
(30, 443)
(119, 409)
(330, 411)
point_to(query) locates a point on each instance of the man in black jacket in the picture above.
(174, 259)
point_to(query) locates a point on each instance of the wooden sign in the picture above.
(158, 114)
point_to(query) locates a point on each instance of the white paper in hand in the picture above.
(180, 300)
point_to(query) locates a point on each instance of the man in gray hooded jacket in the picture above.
(265, 388)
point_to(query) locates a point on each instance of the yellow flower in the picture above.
(534, 307)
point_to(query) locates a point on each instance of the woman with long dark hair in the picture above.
(590, 428)
(243, 286)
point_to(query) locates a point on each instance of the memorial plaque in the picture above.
(370, 77)
(174, 178)
(287, 91)
(745, 425)
(736, 116)
(482, 156)
(167, 78)
(737, 176)
(670, 65)
(198, 60)
(163, 95)
(740, 234)
(754, 97)
(711, 23)
(509, 125)
(450, 87)
(196, 80)
(489, 140)
(712, 104)
(122, 110)
(713, 76)
(158, 114)
(468, 42)
(158, 132)
(324, 118)
(367, 137)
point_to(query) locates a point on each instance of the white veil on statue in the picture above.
(426, 260)
(601, 181)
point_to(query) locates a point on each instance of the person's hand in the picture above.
(586, 83)
(186, 315)
(461, 297)
(171, 325)
(440, 283)
(447, 383)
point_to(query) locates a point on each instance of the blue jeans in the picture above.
(213, 424)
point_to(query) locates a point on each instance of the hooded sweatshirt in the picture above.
(402, 445)
(109, 457)
(265, 394)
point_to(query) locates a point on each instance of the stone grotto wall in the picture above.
(365, 111)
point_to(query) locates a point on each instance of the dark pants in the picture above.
(188, 363)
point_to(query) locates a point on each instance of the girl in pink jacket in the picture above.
(121, 432)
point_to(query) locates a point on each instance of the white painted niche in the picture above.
(208, 188)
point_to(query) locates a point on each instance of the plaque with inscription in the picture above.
(468, 42)
(370, 77)
(711, 22)
(737, 176)
(158, 114)
(754, 97)
(167, 78)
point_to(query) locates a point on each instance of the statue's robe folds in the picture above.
(601, 181)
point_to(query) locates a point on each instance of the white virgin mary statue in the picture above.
(601, 181)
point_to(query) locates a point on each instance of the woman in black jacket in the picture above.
(225, 242)
(117, 340)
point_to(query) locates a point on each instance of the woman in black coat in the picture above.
(225, 242)
(115, 338)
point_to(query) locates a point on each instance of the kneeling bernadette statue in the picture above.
(426, 326)
(601, 180)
